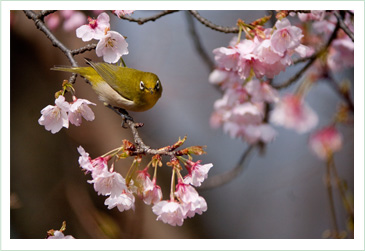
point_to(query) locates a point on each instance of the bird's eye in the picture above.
(141, 85)
(157, 86)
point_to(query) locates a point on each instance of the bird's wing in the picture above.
(109, 73)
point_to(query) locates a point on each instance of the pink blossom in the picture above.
(111, 47)
(95, 29)
(79, 108)
(108, 183)
(261, 91)
(249, 60)
(197, 173)
(149, 191)
(55, 117)
(285, 37)
(169, 212)
(314, 15)
(59, 235)
(191, 202)
(227, 58)
(73, 20)
(124, 201)
(325, 142)
(262, 132)
(120, 13)
(341, 54)
(293, 113)
(226, 79)
(52, 20)
(84, 159)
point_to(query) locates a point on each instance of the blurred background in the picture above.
(280, 193)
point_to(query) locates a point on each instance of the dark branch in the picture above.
(209, 24)
(147, 19)
(88, 47)
(343, 26)
(198, 45)
(221, 179)
(344, 95)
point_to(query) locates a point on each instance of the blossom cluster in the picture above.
(244, 69)
(54, 117)
(242, 109)
(111, 45)
(184, 200)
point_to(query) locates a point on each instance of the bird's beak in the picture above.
(151, 90)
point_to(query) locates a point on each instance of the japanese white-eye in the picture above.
(119, 86)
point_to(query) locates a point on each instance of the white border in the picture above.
(11, 244)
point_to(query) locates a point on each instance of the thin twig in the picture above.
(310, 62)
(147, 19)
(81, 50)
(41, 26)
(330, 197)
(343, 26)
(223, 178)
(344, 95)
(198, 45)
(209, 24)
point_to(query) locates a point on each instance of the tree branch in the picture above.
(209, 24)
(197, 42)
(343, 26)
(147, 19)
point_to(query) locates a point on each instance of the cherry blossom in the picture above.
(341, 54)
(314, 15)
(197, 173)
(95, 29)
(169, 212)
(191, 202)
(111, 47)
(59, 235)
(108, 183)
(149, 191)
(55, 117)
(79, 108)
(293, 113)
(285, 37)
(120, 13)
(325, 142)
(73, 19)
(124, 201)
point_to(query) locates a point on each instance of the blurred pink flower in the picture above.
(293, 113)
(325, 142)
(341, 54)
(73, 21)
(120, 13)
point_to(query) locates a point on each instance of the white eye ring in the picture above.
(157, 86)
(141, 85)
